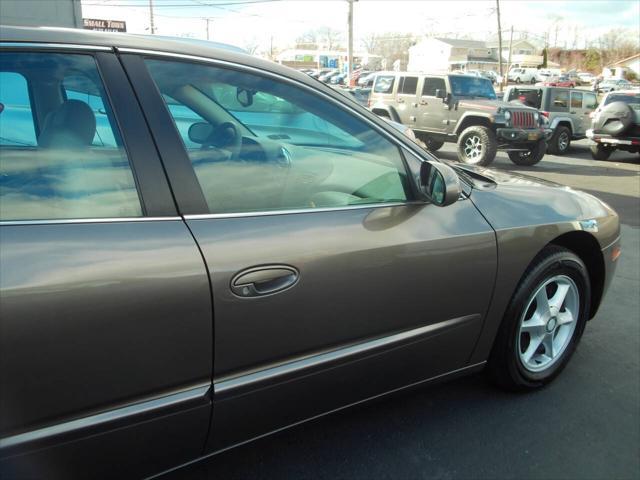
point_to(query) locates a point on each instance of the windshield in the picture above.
(472, 87)
(632, 100)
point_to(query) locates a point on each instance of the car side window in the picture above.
(265, 144)
(431, 84)
(67, 163)
(384, 84)
(590, 101)
(409, 86)
(16, 118)
(576, 100)
(559, 100)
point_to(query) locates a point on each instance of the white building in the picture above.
(523, 53)
(445, 54)
(618, 69)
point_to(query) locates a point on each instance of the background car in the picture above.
(559, 81)
(586, 78)
(522, 75)
(567, 111)
(610, 85)
(616, 124)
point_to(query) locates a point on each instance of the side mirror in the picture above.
(440, 183)
(440, 93)
(244, 97)
(200, 132)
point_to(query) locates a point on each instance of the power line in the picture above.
(181, 5)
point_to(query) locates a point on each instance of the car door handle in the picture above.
(400, 100)
(264, 280)
(423, 102)
(573, 113)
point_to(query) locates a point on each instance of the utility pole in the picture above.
(208, 20)
(510, 48)
(499, 44)
(152, 27)
(350, 44)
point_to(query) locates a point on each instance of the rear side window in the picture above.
(73, 165)
(633, 100)
(431, 84)
(409, 86)
(559, 100)
(576, 100)
(16, 119)
(528, 97)
(384, 84)
(590, 101)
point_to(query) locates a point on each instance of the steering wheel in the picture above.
(226, 136)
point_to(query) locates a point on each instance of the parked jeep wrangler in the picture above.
(462, 109)
(616, 124)
(567, 110)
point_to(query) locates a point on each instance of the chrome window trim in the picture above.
(293, 211)
(65, 221)
(196, 392)
(397, 141)
(64, 46)
(226, 386)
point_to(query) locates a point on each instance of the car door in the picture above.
(580, 121)
(407, 100)
(331, 281)
(434, 113)
(106, 321)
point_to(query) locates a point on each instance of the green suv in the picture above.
(462, 109)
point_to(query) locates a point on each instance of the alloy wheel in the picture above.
(473, 148)
(548, 323)
(563, 141)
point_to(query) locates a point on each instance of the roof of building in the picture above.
(461, 43)
(505, 44)
(637, 55)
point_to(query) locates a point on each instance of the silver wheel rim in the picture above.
(563, 141)
(473, 148)
(548, 323)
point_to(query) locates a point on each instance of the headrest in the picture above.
(71, 125)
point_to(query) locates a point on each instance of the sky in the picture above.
(261, 22)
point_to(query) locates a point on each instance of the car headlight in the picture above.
(536, 116)
(507, 115)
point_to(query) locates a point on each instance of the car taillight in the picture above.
(545, 114)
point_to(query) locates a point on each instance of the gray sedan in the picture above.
(199, 248)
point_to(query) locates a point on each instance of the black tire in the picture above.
(533, 156)
(505, 366)
(560, 141)
(600, 152)
(518, 80)
(488, 146)
(533, 81)
(431, 143)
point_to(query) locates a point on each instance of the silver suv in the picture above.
(567, 109)
(462, 109)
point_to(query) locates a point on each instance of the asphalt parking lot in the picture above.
(585, 425)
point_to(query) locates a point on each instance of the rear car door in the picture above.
(106, 321)
(407, 100)
(589, 104)
(434, 113)
(577, 113)
(331, 282)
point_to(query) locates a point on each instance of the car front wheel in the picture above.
(477, 145)
(543, 323)
(530, 157)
